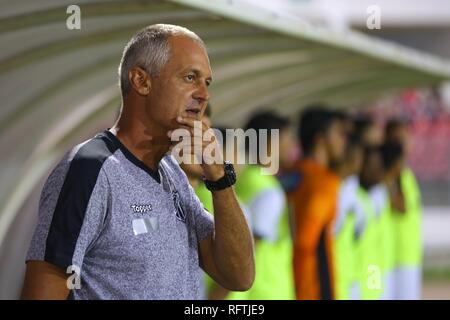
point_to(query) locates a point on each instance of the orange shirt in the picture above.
(314, 203)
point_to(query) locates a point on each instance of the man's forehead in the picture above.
(189, 54)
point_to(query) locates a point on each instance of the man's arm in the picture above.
(227, 254)
(392, 182)
(44, 281)
(49, 256)
(396, 196)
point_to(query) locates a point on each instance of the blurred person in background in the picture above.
(379, 196)
(369, 132)
(348, 125)
(371, 136)
(313, 202)
(393, 157)
(263, 195)
(350, 217)
(289, 149)
(289, 155)
(367, 248)
(407, 220)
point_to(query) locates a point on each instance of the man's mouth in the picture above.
(193, 112)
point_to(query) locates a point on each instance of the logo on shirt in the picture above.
(180, 213)
(144, 223)
(141, 208)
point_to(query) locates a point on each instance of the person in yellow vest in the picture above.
(375, 202)
(393, 158)
(349, 215)
(262, 195)
(368, 250)
(382, 223)
(407, 221)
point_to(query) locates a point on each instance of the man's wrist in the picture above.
(226, 178)
(214, 172)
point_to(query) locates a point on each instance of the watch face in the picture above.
(228, 167)
(226, 181)
(229, 170)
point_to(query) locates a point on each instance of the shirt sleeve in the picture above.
(72, 212)
(203, 220)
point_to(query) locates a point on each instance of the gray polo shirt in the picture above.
(132, 232)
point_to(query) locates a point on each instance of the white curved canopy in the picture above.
(59, 86)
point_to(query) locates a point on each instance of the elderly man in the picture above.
(117, 217)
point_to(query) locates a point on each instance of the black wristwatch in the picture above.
(226, 181)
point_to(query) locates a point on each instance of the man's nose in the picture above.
(202, 93)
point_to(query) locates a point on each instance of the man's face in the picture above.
(394, 172)
(181, 87)
(401, 134)
(335, 140)
(354, 159)
(372, 170)
(373, 136)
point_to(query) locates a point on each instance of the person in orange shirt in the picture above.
(313, 202)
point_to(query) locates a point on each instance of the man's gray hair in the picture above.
(149, 49)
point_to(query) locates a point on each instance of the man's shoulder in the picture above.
(93, 152)
(83, 161)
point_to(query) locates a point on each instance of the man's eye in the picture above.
(190, 77)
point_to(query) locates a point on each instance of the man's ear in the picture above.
(140, 81)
